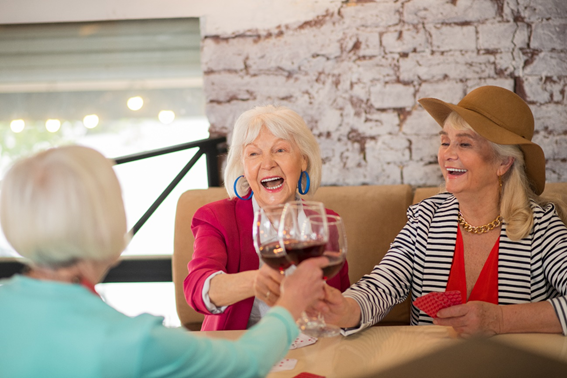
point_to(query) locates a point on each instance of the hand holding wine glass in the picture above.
(267, 245)
(303, 287)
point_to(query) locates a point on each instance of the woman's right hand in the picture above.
(267, 284)
(304, 286)
(337, 309)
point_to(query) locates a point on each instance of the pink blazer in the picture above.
(223, 241)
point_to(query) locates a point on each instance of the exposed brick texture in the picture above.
(355, 75)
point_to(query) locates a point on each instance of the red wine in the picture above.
(299, 251)
(274, 256)
(333, 268)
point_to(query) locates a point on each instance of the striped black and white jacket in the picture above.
(533, 269)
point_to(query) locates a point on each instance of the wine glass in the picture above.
(265, 236)
(335, 251)
(303, 234)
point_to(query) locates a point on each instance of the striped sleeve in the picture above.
(560, 306)
(552, 243)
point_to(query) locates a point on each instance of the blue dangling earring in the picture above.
(236, 192)
(307, 183)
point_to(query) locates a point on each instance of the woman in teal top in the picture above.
(62, 210)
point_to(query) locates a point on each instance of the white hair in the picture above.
(62, 205)
(284, 123)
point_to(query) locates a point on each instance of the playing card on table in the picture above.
(432, 303)
(303, 340)
(285, 364)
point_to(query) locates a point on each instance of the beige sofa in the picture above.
(373, 216)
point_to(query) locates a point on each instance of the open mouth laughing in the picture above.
(456, 171)
(272, 183)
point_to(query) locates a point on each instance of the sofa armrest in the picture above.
(188, 203)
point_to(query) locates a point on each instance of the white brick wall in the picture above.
(448, 90)
(505, 36)
(412, 39)
(446, 11)
(453, 38)
(355, 74)
(538, 10)
(549, 36)
(392, 95)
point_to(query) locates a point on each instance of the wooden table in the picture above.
(378, 349)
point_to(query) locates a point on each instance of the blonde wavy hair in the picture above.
(515, 206)
(284, 123)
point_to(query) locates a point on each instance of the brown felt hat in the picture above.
(502, 117)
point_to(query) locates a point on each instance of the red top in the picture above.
(223, 241)
(486, 287)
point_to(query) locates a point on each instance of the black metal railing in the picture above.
(152, 268)
(207, 147)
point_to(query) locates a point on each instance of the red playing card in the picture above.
(429, 304)
(442, 299)
(454, 297)
(308, 375)
(433, 302)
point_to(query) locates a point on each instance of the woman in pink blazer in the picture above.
(273, 156)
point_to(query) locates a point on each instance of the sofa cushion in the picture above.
(373, 217)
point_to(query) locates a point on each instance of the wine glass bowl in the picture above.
(298, 251)
(303, 230)
(265, 236)
(274, 256)
(335, 251)
(336, 247)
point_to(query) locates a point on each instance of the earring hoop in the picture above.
(307, 183)
(236, 192)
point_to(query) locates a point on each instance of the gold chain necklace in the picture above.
(480, 229)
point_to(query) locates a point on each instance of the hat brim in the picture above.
(534, 157)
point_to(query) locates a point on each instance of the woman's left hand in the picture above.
(474, 318)
(267, 284)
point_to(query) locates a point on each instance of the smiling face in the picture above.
(469, 164)
(272, 167)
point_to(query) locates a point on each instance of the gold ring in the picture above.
(268, 294)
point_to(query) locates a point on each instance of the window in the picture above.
(121, 87)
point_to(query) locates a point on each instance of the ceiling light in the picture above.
(166, 116)
(135, 103)
(17, 125)
(52, 125)
(90, 121)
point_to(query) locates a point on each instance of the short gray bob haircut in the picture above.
(63, 205)
(284, 123)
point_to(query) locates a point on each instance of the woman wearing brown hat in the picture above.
(488, 235)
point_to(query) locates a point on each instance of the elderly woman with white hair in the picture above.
(272, 158)
(62, 210)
